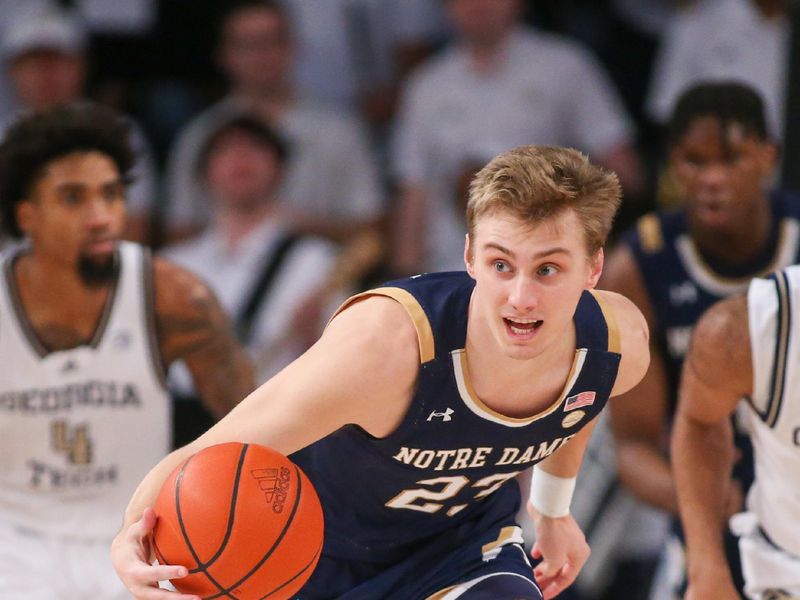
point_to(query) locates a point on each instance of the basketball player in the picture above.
(675, 265)
(744, 347)
(87, 325)
(425, 398)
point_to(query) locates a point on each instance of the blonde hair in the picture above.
(536, 183)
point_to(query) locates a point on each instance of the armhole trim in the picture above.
(650, 235)
(427, 351)
(614, 344)
(149, 289)
(778, 379)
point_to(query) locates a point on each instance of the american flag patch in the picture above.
(579, 400)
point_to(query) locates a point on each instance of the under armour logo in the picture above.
(444, 415)
(69, 366)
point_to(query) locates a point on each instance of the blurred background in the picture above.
(376, 114)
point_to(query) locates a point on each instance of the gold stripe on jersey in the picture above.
(441, 593)
(477, 406)
(413, 308)
(508, 535)
(614, 344)
(781, 349)
(650, 236)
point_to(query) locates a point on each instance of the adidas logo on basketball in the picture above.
(275, 485)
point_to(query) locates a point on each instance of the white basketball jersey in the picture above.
(774, 316)
(80, 428)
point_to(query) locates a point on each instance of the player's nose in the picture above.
(522, 294)
(99, 213)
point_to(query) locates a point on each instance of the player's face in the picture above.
(723, 173)
(255, 49)
(528, 279)
(483, 21)
(75, 214)
(241, 172)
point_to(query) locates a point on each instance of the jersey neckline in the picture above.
(25, 325)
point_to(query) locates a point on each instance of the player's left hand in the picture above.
(561, 545)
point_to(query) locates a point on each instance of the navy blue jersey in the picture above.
(682, 284)
(449, 466)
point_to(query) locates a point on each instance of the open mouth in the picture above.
(712, 207)
(523, 326)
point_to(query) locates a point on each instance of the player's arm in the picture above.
(559, 540)
(716, 375)
(192, 326)
(361, 371)
(560, 543)
(639, 415)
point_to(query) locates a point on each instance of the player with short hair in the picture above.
(88, 324)
(675, 264)
(745, 347)
(435, 392)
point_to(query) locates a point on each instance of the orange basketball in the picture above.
(243, 519)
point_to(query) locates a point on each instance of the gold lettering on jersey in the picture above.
(479, 457)
(473, 458)
(72, 441)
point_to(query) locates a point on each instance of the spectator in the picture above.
(331, 186)
(352, 53)
(499, 86)
(744, 40)
(249, 254)
(46, 58)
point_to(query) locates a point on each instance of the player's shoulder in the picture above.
(722, 328)
(629, 319)
(377, 324)
(646, 246)
(634, 338)
(654, 232)
(179, 290)
(720, 349)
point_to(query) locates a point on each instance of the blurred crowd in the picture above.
(293, 152)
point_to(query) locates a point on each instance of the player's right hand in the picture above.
(130, 554)
(561, 545)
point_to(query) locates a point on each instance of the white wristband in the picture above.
(551, 495)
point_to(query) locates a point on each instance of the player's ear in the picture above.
(770, 155)
(469, 257)
(595, 268)
(25, 212)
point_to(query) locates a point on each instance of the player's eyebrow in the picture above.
(80, 185)
(540, 254)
